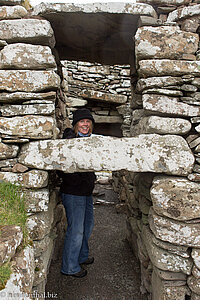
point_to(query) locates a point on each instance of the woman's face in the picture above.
(84, 126)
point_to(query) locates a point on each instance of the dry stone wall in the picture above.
(28, 86)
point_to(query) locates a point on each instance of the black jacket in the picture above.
(80, 184)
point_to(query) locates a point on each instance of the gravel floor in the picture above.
(115, 274)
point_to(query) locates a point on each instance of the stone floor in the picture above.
(115, 274)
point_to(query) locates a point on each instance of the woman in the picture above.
(76, 192)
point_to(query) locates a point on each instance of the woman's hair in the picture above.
(90, 128)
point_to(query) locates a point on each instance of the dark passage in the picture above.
(115, 274)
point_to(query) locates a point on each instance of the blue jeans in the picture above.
(80, 220)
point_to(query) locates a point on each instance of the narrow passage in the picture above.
(115, 274)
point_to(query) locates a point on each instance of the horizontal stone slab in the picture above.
(107, 119)
(19, 97)
(175, 232)
(28, 81)
(145, 153)
(169, 105)
(101, 96)
(176, 198)
(163, 259)
(8, 151)
(32, 179)
(167, 42)
(184, 12)
(33, 31)
(164, 67)
(33, 127)
(161, 125)
(27, 57)
(10, 2)
(12, 12)
(26, 109)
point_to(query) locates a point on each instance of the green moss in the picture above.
(5, 272)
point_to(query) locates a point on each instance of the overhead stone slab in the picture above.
(168, 42)
(10, 2)
(101, 96)
(183, 13)
(27, 56)
(8, 151)
(26, 109)
(163, 67)
(118, 7)
(169, 105)
(176, 198)
(31, 179)
(108, 119)
(175, 232)
(161, 125)
(145, 153)
(167, 2)
(12, 12)
(33, 127)
(22, 96)
(28, 81)
(33, 31)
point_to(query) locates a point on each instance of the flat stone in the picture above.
(10, 238)
(196, 257)
(27, 57)
(33, 31)
(194, 284)
(8, 162)
(153, 153)
(31, 179)
(10, 2)
(36, 201)
(162, 291)
(196, 272)
(175, 232)
(170, 276)
(168, 92)
(169, 105)
(7, 151)
(168, 42)
(166, 67)
(158, 82)
(19, 168)
(107, 119)
(194, 177)
(101, 96)
(76, 102)
(21, 280)
(42, 245)
(183, 13)
(28, 81)
(176, 197)
(34, 127)
(26, 109)
(163, 259)
(23, 96)
(12, 12)
(161, 125)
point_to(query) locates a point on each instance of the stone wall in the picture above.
(28, 86)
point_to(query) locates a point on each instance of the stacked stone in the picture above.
(28, 85)
(102, 89)
(165, 101)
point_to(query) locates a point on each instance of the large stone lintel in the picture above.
(146, 153)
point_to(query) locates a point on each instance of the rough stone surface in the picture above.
(31, 179)
(161, 125)
(163, 259)
(27, 56)
(28, 81)
(36, 201)
(10, 238)
(168, 105)
(184, 12)
(196, 257)
(21, 280)
(34, 127)
(10, 2)
(175, 232)
(26, 109)
(100, 96)
(176, 197)
(164, 67)
(168, 42)
(144, 153)
(12, 12)
(23, 96)
(31, 31)
(194, 285)
(8, 151)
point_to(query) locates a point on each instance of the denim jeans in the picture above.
(80, 220)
